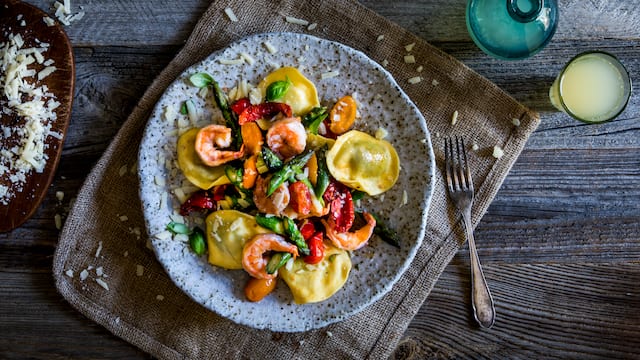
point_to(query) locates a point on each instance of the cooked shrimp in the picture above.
(287, 137)
(274, 204)
(351, 240)
(254, 259)
(210, 140)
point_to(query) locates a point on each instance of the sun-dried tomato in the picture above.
(316, 248)
(300, 200)
(259, 111)
(239, 106)
(341, 209)
(198, 201)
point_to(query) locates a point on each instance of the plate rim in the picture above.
(427, 200)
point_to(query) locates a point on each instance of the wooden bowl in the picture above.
(61, 83)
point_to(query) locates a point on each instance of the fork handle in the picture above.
(481, 299)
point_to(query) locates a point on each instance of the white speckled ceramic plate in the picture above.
(382, 103)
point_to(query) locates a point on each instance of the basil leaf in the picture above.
(201, 80)
(277, 89)
(196, 241)
(183, 108)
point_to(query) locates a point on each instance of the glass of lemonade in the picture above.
(593, 87)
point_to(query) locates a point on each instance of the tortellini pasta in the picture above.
(363, 162)
(302, 95)
(227, 232)
(199, 174)
(314, 283)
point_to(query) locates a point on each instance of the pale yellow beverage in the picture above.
(593, 87)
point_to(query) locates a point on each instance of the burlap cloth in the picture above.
(153, 314)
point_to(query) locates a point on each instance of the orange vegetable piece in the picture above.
(257, 289)
(312, 165)
(250, 173)
(252, 137)
(342, 115)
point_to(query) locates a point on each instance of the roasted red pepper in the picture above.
(316, 248)
(300, 198)
(239, 106)
(307, 229)
(268, 109)
(341, 209)
(198, 201)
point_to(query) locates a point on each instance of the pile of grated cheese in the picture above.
(27, 108)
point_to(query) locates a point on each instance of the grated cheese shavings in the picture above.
(414, 80)
(329, 74)
(409, 59)
(230, 14)
(293, 20)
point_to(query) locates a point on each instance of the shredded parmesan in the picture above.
(231, 15)
(409, 47)
(414, 80)
(102, 283)
(32, 105)
(497, 152)
(515, 122)
(237, 61)
(139, 270)
(312, 26)
(270, 48)
(329, 74)
(409, 59)
(246, 57)
(419, 68)
(380, 38)
(454, 117)
(293, 20)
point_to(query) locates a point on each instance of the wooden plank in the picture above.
(145, 23)
(585, 311)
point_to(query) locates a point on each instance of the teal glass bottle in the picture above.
(511, 29)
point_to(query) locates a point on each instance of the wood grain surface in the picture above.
(560, 244)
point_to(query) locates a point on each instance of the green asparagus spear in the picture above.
(273, 223)
(230, 117)
(289, 169)
(387, 234)
(197, 242)
(270, 158)
(312, 120)
(293, 233)
(277, 261)
(322, 181)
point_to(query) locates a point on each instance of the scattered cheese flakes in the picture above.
(99, 271)
(475, 147)
(380, 38)
(103, 284)
(181, 237)
(405, 197)
(497, 152)
(123, 170)
(385, 62)
(126, 253)
(515, 122)
(434, 82)
(49, 21)
(409, 47)
(270, 48)
(237, 61)
(67, 6)
(329, 334)
(329, 74)
(414, 80)
(164, 235)
(59, 195)
(84, 274)
(169, 113)
(124, 218)
(159, 297)
(99, 249)
(46, 72)
(381, 133)
(312, 26)
(230, 14)
(248, 58)
(159, 180)
(293, 20)
(139, 270)
(57, 218)
(454, 118)
(69, 273)
(409, 59)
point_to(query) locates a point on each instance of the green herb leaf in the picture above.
(201, 80)
(357, 195)
(312, 120)
(277, 89)
(197, 242)
(178, 228)
(183, 108)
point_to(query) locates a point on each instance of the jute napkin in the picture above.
(103, 268)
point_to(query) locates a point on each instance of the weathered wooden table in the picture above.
(560, 244)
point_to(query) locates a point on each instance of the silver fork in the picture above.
(461, 192)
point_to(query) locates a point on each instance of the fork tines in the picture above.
(457, 167)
